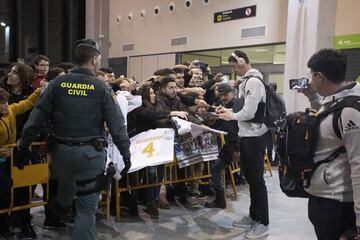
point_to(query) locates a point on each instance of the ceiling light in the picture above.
(143, 14)
(130, 16)
(118, 19)
(206, 2)
(171, 7)
(187, 4)
(3, 24)
(156, 11)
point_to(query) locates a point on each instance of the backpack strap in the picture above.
(350, 101)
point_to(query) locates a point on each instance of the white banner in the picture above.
(196, 130)
(150, 148)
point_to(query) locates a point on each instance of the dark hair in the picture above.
(83, 54)
(164, 72)
(100, 73)
(4, 95)
(240, 54)
(330, 62)
(107, 70)
(54, 72)
(144, 91)
(179, 69)
(66, 66)
(165, 81)
(273, 85)
(26, 74)
(38, 59)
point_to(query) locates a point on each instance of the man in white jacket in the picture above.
(334, 202)
(253, 135)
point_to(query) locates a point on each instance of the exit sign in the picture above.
(234, 14)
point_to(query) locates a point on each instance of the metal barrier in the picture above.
(171, 176)
(31, 175)
(34, 174)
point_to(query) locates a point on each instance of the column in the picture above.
(310, 27)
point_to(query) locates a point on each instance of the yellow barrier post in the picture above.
(32, 174)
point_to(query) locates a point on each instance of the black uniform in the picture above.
(78, 104)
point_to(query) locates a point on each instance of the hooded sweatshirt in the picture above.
(253, 92)
(340, 178)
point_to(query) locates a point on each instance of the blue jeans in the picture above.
(152, 194)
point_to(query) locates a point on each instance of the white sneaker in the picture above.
(258, 230)
(246, 222)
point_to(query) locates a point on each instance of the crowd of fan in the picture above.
(189, 91)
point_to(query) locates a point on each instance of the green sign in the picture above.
(358, 79)
(347, 41)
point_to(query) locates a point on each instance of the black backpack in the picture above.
(274, 107)
(296, 143)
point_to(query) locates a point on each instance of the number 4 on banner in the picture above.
(149, 149)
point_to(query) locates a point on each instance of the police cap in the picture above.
(88, 42)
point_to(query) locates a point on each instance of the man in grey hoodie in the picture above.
(334, 202)
(254, 136)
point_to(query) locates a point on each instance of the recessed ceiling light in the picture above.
(188, 4)
(130, 16)
(156, 11)
(206, 2)
(118, 19)
(171, 7)
(142, 14)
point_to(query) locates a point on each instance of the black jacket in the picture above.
(147, 117)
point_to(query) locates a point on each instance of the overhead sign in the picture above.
(347, 41)
(234, 14)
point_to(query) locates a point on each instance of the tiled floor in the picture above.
(288, 221)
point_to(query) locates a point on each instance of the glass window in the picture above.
(55, 38)
(5, 6)
(6, 43)
(79, 11)
(32, 8)
(56, 9)
(30, 38)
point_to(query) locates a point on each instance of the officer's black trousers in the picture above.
(331, 218)
(252, 150)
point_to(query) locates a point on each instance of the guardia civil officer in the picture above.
(77, 105)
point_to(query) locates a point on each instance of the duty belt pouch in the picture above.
(99, 144)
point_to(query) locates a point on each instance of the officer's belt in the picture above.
(75, 143)
(89, 140)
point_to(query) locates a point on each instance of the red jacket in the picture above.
(36, 82)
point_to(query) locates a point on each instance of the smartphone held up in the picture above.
(298, 83)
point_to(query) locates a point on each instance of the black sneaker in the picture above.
(170, 197)
(53, 224)
(27, 232)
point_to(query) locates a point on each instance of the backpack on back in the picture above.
(274, 106)
(296, 144)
